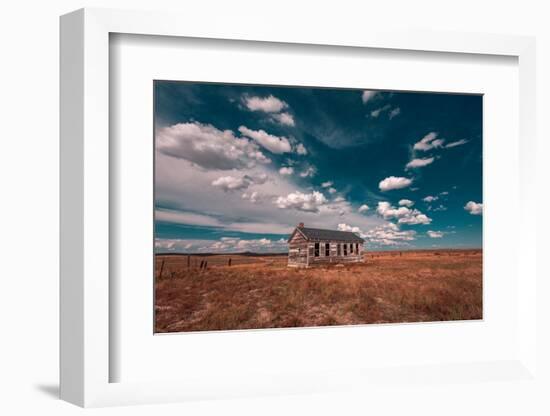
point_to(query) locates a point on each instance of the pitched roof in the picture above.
(331, 235)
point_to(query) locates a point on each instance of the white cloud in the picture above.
(269, 104)
(388, 234)
(403, 214)
(430, 198)
(284, 118)
(419, 162)
(339, 199)
(368, 95)
(272, 143)
(406, 203)
(231, 183)
(301, 202)
(300, 149)
(327, 184)
(415, 218)
(394, 113)
(188, 189)
(349, 228)
(474, 208)
(387, 211)
(393, 182)
(208, 147)
(434, 234)
(428, 142)
(308, 173)
(444, 193)
(457, 143)
(363, 208)
(286, 170)
(332, 190)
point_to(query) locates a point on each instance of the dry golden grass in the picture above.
(261, 292)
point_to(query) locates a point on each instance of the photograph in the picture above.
(298, 206)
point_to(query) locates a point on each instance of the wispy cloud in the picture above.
(270, 142)
(419, 163)
(428, 142)
(457, 143)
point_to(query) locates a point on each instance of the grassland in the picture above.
(261, 292)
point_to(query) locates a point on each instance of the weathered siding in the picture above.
(297, 250)
(302, 252)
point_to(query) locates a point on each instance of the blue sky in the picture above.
(238, 166)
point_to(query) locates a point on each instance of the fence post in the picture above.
(161, 269)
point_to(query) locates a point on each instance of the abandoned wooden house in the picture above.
(314, 246)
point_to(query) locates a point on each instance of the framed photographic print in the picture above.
(280, 213)
(280, 206)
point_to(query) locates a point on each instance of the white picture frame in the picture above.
(85, 209)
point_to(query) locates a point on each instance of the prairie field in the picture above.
(262, 292)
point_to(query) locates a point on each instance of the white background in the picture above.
(29, 175)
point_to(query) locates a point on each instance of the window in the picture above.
(327, 249)
(338, 249)
(316, 249)
(345, 249)
(357, 248)
(351, 248)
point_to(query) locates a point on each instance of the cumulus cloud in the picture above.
(434, 234)
(363, 208)
(474, 208)
(272, 143)
(208, 147)
(301, 201)
(419, 163)
(428, 142)
(327, 184)
(430, 198)
(349, 228)
(389, 234)
(368, 95)
(300, 149)
(455, 144)
(268, 104)
(232, 183)
(393, 182)
(286, 170)
(403, 215)
(332, 190)
(406, 203)
(284, 118)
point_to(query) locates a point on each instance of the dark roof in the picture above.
(332, 235)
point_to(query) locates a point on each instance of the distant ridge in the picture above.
(244, 253)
